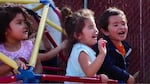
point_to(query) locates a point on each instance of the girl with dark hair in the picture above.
(14, 30)
(82, 35)
(14, 39)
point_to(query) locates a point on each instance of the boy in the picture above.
(113, 25)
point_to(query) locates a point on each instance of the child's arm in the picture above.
(38, 68)
(4, 69)
(91, 68)
(52, 53)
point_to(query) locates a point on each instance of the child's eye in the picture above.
(123, 23)
(21, 22)
(115, 25)
(90, 27)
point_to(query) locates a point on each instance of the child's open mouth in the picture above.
(25, 32)
(121, 33)
(94, 37)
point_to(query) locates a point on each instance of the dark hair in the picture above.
(104, 19)
(74, 23)
(7, 14)
(65, 11)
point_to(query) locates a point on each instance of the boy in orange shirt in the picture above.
(113, 25)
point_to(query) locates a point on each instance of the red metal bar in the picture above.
(60, 78)
(56, 11)
(8, 79)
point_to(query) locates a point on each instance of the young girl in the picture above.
(13, 35)
(113, 24)
(14, 41)
(82, 34)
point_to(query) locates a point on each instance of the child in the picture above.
(13, 35)
(82, 35)
(113, 25)
(14, 41)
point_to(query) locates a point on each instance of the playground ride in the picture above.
(28, 76)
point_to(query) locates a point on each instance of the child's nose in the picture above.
(26, 25)
(96, 30)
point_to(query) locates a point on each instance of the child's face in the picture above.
(89, 33)
(18, 29)
(117, 28)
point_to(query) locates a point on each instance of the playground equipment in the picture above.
(28, 76)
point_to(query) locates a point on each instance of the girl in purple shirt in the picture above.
(14, 43)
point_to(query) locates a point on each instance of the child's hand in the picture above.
(21, 64)
(131, 80)
(32, 37)
(63, 45)
(102, 46)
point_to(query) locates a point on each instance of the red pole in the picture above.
(8, 79)
(60, 78)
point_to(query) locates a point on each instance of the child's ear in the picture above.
(76, 35)
(105, 32)
(7, 31)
